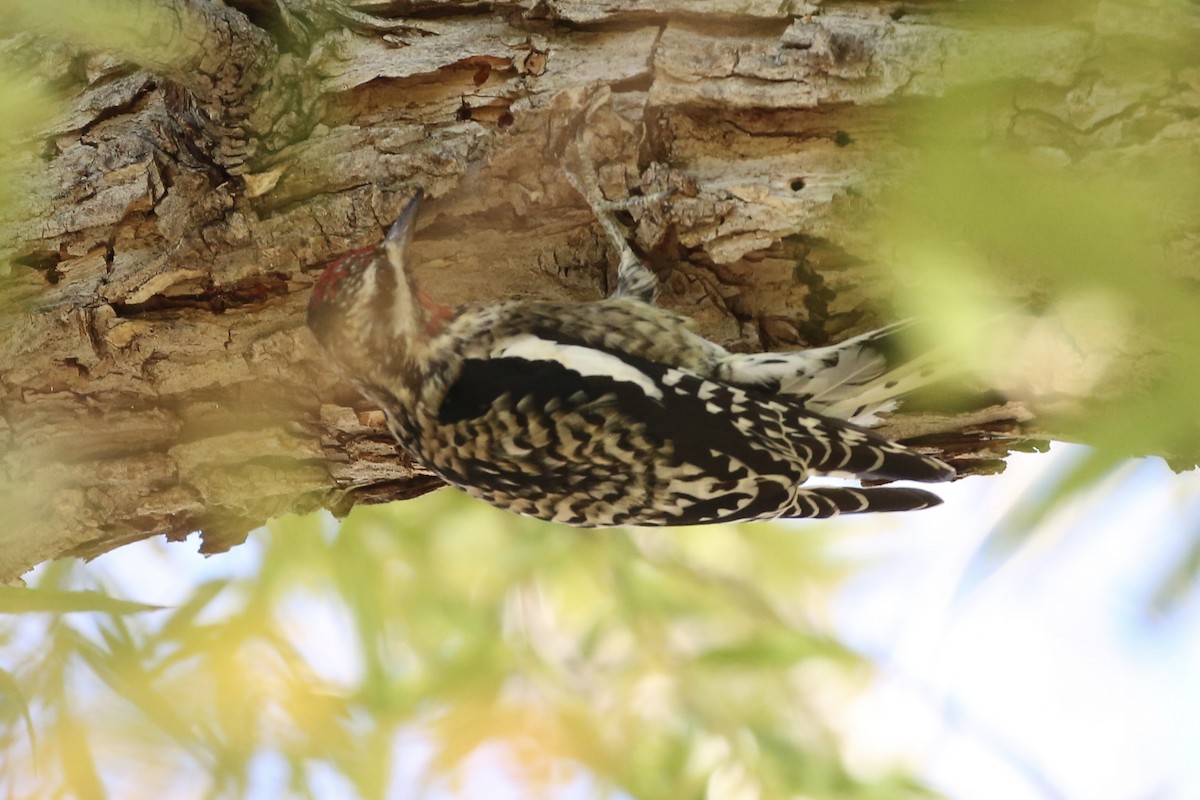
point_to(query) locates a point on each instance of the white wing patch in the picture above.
(584, 360)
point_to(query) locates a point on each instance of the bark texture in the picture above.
(155, 372)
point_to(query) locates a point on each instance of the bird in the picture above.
(613, 412)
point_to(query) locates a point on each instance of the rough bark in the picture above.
(155, 372)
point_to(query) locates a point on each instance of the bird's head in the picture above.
(366, 308)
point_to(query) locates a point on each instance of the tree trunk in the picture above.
(157, 376)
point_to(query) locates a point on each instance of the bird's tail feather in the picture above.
(828, 501)
(837, 448)
(854, 380)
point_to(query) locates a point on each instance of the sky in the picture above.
(1048, 677)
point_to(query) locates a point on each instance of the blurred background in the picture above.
(440, 648)
(1037, 636)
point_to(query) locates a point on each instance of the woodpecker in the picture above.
(613, 412)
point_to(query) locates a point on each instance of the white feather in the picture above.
(854, 367)
(851, 380)
(584, 360)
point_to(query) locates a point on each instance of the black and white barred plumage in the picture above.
(612, 412)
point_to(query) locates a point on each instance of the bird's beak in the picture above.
(401, 232)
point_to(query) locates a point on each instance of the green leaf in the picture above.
(25, 600)
(10, 689)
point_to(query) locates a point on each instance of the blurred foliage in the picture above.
(1048, 224)
(663, 664)
(1179, 581)
(145, 32)
(41, 71)
(25, 105)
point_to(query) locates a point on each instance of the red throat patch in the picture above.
(438, 314)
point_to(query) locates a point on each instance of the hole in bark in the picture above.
(898, 14)
(45, 262)
(638, 83)
(797, 184)
(841, 139)
(490, 112)
(250, 291)
(78, 367)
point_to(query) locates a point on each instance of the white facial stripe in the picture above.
(584, 360)
(404, 317)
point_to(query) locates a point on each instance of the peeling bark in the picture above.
(158, 377)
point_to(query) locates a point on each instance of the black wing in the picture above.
(701, 419)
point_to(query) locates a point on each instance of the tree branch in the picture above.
(157, 376)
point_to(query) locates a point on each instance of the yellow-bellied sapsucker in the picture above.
(612, 412)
